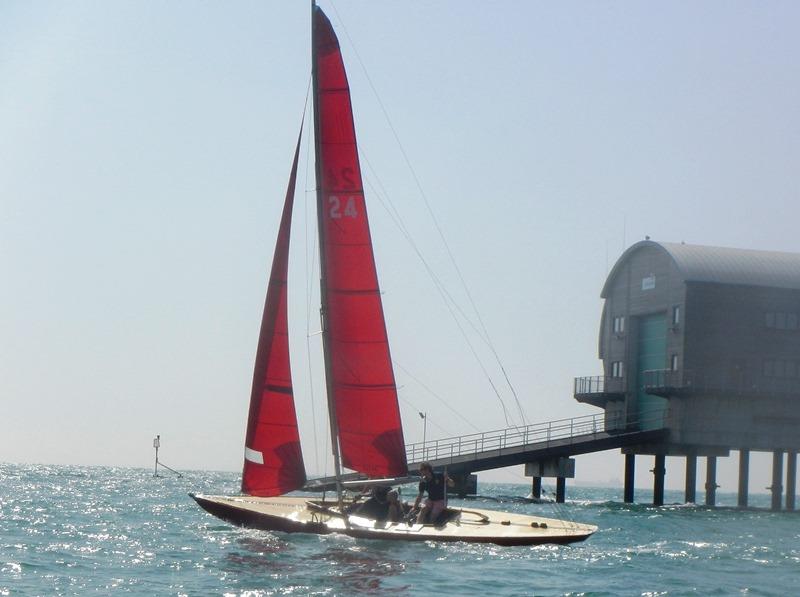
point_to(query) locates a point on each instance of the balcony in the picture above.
(668, 383)
(599, 390)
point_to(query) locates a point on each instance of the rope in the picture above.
(447, 299)
(432, 393)
(484, 335)
(180, 475)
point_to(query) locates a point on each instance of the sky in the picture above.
(144, 154)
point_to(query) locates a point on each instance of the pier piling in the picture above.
(791, 479)
(630, 468)
(777, 474)
(744, 476)
(536, 488)
(690, 495)
(561, 490)
(659, 471)
(711, 480)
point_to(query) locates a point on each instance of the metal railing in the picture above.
(599, 384)
(665, 379)
(691, 381)
(540, 433)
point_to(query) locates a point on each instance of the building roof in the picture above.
(721, 265)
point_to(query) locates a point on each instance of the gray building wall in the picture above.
(629, 294)
(728, 345)
(726, 391)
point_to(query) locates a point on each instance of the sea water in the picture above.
(68, 530)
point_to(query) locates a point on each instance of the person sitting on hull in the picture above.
(395, 511)
(377, 506)
(434, 484)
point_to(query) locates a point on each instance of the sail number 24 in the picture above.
(342, 206)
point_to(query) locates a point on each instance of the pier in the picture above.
(699, 348)
(544, 448)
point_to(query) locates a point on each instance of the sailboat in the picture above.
(363, 411)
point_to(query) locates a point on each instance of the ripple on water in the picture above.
(78, 530)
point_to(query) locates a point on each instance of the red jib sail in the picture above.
(361, 380)
(273, 462)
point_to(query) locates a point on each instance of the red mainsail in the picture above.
(361, 380)
(273, 461)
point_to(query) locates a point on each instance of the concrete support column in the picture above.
(711, 480)
(536, 488)
(630, 467)
(744, 477)
(464, 484)
(777, 475)
(561, 489)
(690, 495)
(791, 479)
(659, 470)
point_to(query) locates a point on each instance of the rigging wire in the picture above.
(432, 393)
(417, 409)
(446, 298)
(484, 334)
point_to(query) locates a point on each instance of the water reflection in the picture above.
(362, 569)
(311, 562)
(260, 553)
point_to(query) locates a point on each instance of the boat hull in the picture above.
(303, 515)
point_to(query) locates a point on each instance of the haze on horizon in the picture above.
(145, 150)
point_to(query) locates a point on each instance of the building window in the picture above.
(617, 369)
(676, 315)
(673, 363)
(782, 321)
(619, 324)
(781, 368)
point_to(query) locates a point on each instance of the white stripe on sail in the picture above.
(253, 456)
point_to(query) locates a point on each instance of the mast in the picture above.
(326, 337)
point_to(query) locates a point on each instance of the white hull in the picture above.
(305, 515)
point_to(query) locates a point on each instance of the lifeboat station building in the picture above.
(704, 342)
